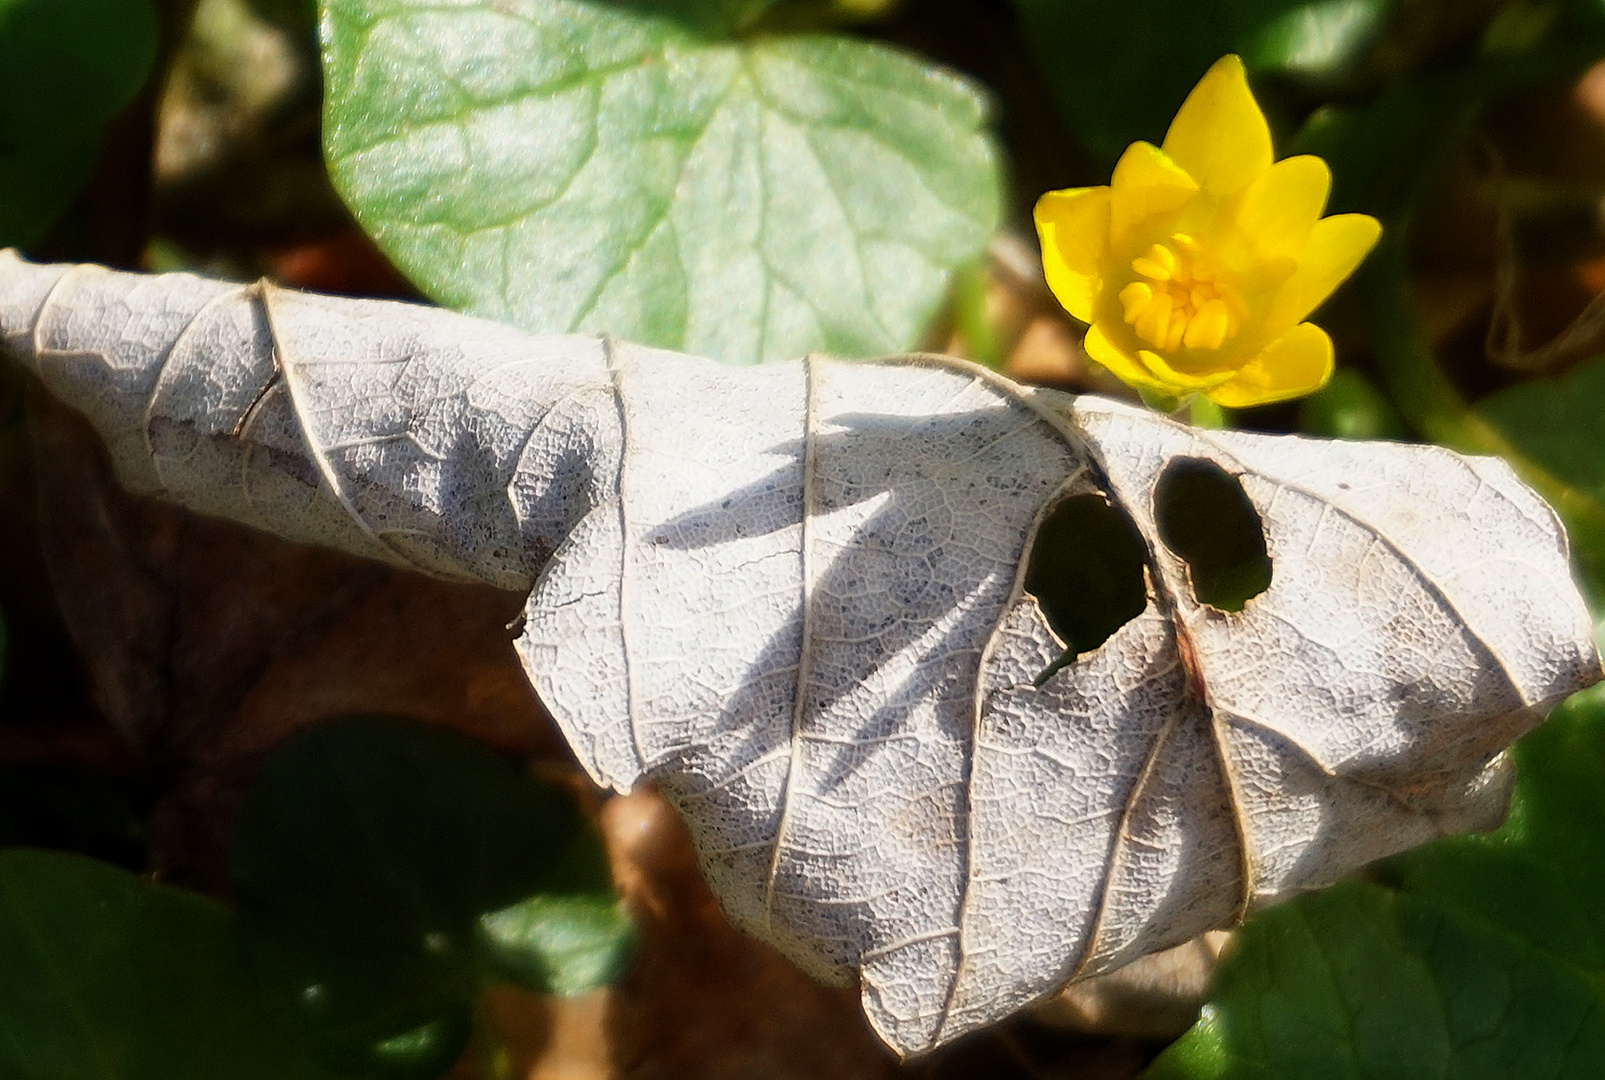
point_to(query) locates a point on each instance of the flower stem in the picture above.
(971, 318)
(1160, 402)
(1205, 413)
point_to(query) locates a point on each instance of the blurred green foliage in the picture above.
(104, 976)
(1120, 68)
(67, 67)
(1350, 407)
(1559, 422)
(387, 872)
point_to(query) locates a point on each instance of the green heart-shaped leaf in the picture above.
(634, 170)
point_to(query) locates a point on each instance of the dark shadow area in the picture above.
(1086, 573)
(1205, 517)
(387, 871)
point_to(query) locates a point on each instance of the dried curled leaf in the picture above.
(793, 597)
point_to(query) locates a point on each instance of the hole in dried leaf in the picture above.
(1205, 517)
(1086, 573)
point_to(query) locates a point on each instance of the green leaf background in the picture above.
(1118, 69)
(1474, 957)
(387, 874)
(595, 166)
(1559, 422)
(66, 68)
(388, 871)
(104, 977)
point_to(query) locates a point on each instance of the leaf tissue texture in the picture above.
(631, 169)
(792, 596)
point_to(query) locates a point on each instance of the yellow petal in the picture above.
(1125, 367)
(1275, 213)
(1180, 382)
(1220, 136)
(1335, 248)
(1297, 363)
(1146, 184)
(1074, 227)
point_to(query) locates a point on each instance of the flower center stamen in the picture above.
(1178, 301)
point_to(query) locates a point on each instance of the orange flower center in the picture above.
(1178, 300)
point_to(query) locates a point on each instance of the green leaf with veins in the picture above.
(632, 170)
(1481, 958)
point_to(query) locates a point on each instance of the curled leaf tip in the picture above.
(1197, 264)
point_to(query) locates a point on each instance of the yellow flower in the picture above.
(1196, 266)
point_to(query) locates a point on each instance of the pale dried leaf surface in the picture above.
(226, 641)
(791, 596)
